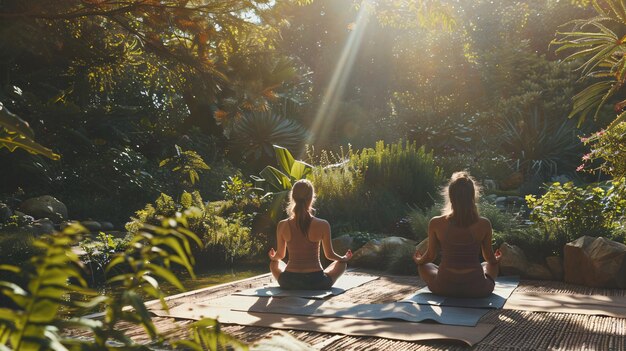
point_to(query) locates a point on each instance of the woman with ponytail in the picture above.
(301, 235)
(460, 234)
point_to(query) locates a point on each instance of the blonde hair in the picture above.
(300, 208)
(461, 195)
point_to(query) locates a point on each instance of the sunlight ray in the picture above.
(327, 112)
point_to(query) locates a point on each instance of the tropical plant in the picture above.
(186, 163)
(609, 148)
(15, 133)
(278, 182)
(538, 145)
(223, 228)
(256, 133)
(601, 50)
(566, 211)
(55, 282)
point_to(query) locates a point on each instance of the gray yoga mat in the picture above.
(328, 308)
(344, 283)
(504, 288)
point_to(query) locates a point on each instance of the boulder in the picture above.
(375, 252)
(43, 226)
(513, 260)
(92, 226)
(368, 255)
(45, 207)
(107, 226)
(5, 213)
(595, 262)
(538, 271)
(555, 265)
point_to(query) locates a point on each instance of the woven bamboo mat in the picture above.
(515, 330)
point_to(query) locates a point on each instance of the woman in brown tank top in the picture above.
(460, 234)
(301, 235)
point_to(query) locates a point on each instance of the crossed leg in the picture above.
(335, 270)
(491, 270)
(428, 272)
(277, 267)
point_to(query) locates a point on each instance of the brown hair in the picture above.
(461, 195)
(300, 208)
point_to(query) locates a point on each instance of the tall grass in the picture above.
(372, 189)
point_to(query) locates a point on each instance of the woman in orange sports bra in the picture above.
(301, 235)
(460, 234)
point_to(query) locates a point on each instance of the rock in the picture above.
(555, 265)
(513, 260)
(43, 226)
(538, 271)
(595, 262)
(396, 242)
(342, 244)
(45, 207)
(373, 254)
(491, 198)
(512, 182)
(92, 226)
(368, 255)
(107, 226)
(500, 202)
(5, 213)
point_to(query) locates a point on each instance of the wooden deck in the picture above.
(515, 330)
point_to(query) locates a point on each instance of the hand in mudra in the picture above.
(347, 256)
(498, 255)
(272, 254)
(417, 257)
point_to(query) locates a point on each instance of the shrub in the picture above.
(402, 169)
(566, 212)
(419, 219)
(374, 188)
(221, 225)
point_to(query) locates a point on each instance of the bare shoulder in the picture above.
(484, 223)
(319, 223)
(438, 221)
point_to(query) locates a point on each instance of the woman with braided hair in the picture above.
(301, 235)
(460, 234)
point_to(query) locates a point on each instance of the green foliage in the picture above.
(16, 133)
(601, 51)
(34, 323)
(223, 227)
(402, 170)
(278, 182)
(566, 212)
(538, 145)
(608, 148)
(187, 164)
(99, 251)
(419, 219)
(55, 279)
(257, 132)
(372, 189)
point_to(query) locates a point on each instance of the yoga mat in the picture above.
(327, 308)
(504, 288)
(599, 305)
(344, 283)
(395, 330)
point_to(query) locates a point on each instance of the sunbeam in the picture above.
(327, 112)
